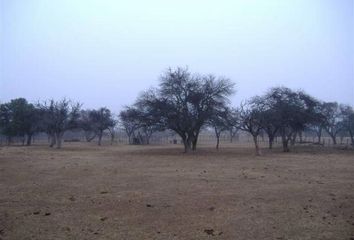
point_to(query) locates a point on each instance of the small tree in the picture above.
(347, 115)
(129, 120)
(147, 122)
(319, 121)
(85, 123)
(219, 122)
(332, 119)
(101, 120)
(112, 132)
(59, 117)
(7, 127)
(250, 120)
(232, 120)
(268, 118)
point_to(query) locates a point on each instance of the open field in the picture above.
(156, 192)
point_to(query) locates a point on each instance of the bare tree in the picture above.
(219, 122)
(85, 123)
(112, 132)
(101, 120)
(250, 120)
(320, 120)
(59, 117)
(347, 115)
(184, 103)
(292, 111)
(232, 119)
(332, 119)
(268, 117)
(129, 119)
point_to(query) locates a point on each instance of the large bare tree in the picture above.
(184, 102)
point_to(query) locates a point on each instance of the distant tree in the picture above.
(320, 120)
(232, 120)
(347, 115)
(6, 126)
(101, 120)
(332, 119)
(129, 119)
(268, 118)
(250, 120)
(59, 117)
(112, 131)
(85, 123)
(219, 122)
(184, 103)
(270, 126)
(293, 112)
(32, 123)
(19, 118)
(147, 122)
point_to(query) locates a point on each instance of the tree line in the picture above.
(185, 103)
(19, 118)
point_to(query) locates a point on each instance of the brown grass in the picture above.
(157, 192)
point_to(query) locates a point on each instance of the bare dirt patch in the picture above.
(157, 192)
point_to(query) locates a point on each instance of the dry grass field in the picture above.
(156, 192)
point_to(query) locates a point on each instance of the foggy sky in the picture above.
(104, 53)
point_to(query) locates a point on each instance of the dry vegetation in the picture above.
(157, 192)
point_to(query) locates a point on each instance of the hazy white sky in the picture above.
(105, 52)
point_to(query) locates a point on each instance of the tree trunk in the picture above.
(300, 136)
(194, 143)
(271, 140)
(319, 135)
(258, 150)
(187, 145)
(334, 140)
(351, 137)
(112, 137)
(29, 139)
(59, 138)
(52, 140)
(285, 142)
(100, 133)
(147, 138)
(217, 135)
(130, 138)
(341, 139)
(88, 137)
(293, 139)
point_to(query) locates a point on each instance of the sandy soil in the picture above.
(157, 192)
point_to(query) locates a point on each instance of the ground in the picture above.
(157, 192)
